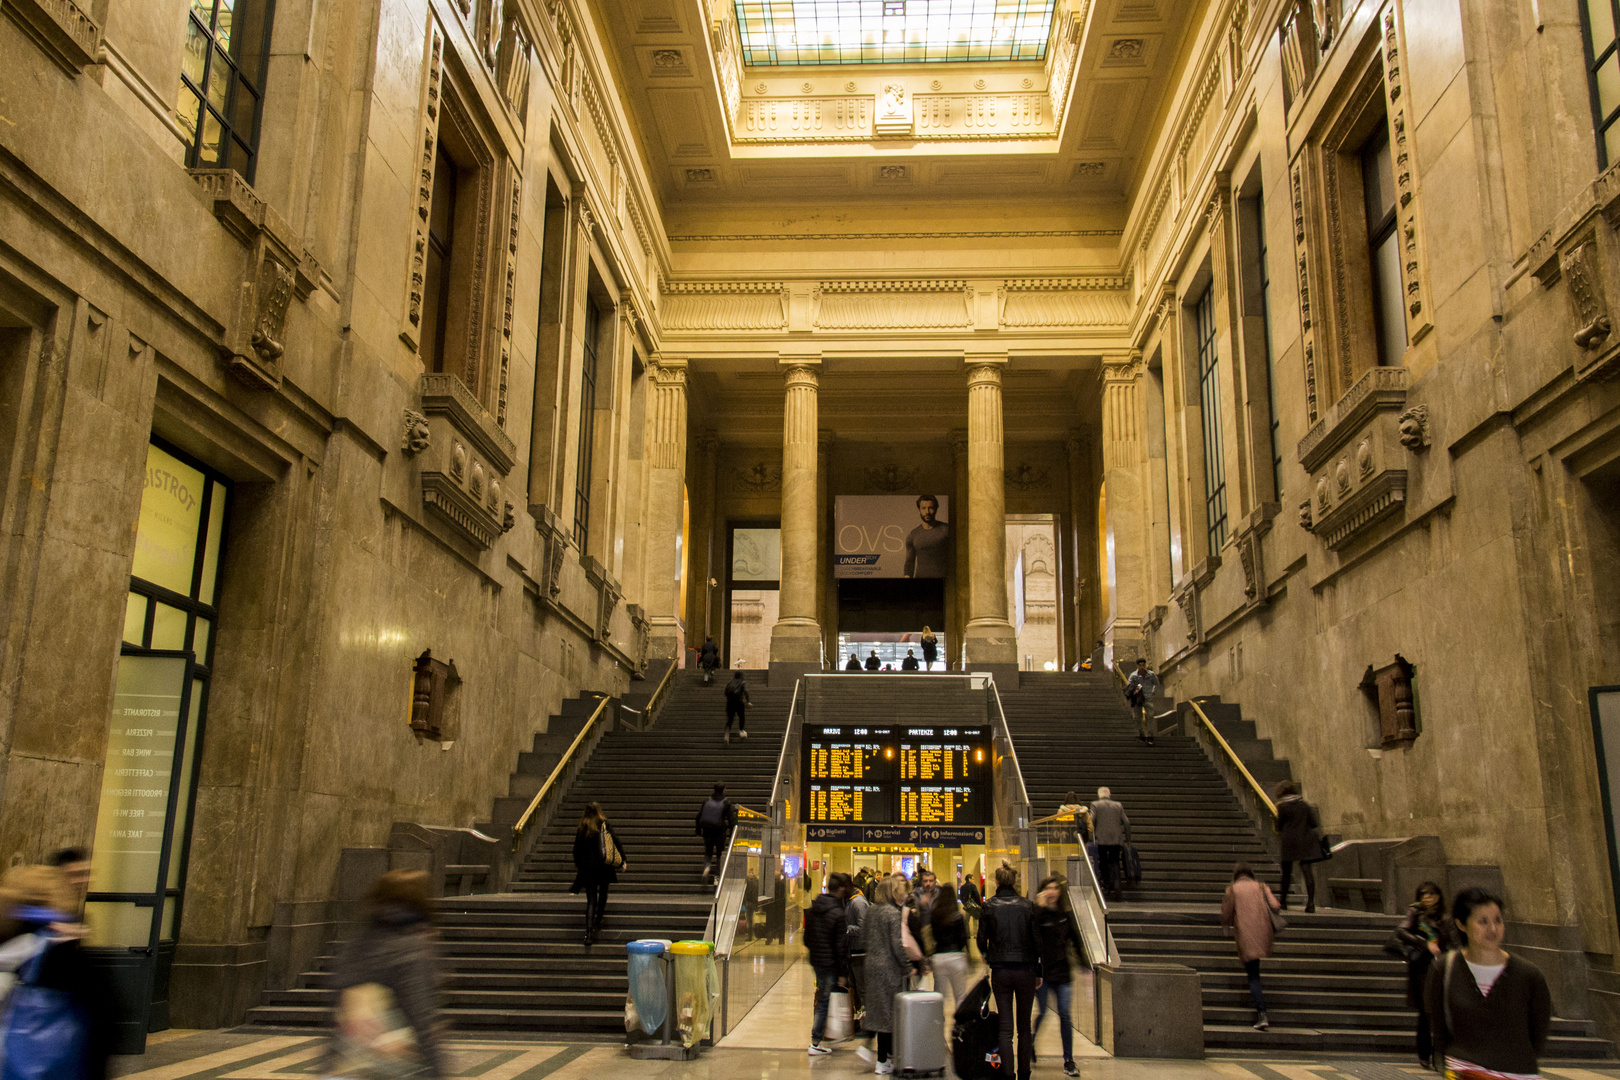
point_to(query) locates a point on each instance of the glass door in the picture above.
(159, 708)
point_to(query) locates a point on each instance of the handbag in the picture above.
(1279, 921)
(840, 1014)
(47, 1033)
(611, 855)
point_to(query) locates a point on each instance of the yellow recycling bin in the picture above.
(697, 985)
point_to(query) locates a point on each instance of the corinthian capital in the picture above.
(1123, 367)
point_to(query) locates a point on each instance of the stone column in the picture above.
(708, 548)
(990, 639)
(666, 481)
(826, 594)
(1079, 545)
(796, 638)
(960, 524)
(1125, 474)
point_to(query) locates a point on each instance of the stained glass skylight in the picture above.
(787, 32)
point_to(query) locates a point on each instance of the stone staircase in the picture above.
(1329, 985)
(515, 961)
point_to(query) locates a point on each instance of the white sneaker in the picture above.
(884, 1068)
(816, 1048)
(742, 734)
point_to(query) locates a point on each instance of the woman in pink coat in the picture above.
(1246, 914)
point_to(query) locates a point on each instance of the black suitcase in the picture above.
(974, 1050)
(975, 1003)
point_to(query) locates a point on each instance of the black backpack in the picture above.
(714, 813)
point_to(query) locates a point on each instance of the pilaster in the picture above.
(666, 479)
(1124, 473)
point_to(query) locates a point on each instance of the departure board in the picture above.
(896, 774)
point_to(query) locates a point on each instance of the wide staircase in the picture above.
(1329, 984)
(517, 961)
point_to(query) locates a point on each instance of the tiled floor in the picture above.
(774, 991)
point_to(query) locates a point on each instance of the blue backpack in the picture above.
(47, 1031)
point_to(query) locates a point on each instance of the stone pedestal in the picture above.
(796, 637)
(990, 640)
(1150, 1010)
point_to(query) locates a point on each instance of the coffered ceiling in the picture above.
(1075, 126)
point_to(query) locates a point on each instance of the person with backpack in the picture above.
(57, 1022)
(1491, 1011)
(716, 818)
(598, 858)
(737, 705)
(826, 936)
(1054, 934)
(387, 979)
(708, 659)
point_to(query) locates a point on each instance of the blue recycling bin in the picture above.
(649, 988)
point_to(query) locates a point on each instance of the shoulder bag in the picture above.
(611, 855)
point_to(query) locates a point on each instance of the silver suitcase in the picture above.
(919, 1034)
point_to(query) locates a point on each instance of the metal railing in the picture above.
(782, 828)
(1237, 762)
(523, 822)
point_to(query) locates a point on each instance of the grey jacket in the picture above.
(887, 965)
(1109, 822)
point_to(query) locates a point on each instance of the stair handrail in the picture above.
(568, 756)
(1012, 751)
(787, 736)
(1237, 762)
(656, 700)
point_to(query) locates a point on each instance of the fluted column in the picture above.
(961, 524)
(1128, 494)
(666, 481)
(796, 638)
(989, 637)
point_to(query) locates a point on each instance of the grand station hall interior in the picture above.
(444, 440)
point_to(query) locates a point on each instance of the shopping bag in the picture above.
(840, 1015)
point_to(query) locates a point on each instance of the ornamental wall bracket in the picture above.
(1414, 428)
(465, 457)
(1582, 250)
(417, 435)
(1186, 599)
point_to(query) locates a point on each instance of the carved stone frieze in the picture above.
(462, 480)
(429, 110)
(1302, 270)
(63, 29)
(1381, 389)
(1408, 222)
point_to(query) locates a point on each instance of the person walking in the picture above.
(972, 901)
(1246, 912)
(1426, 934)
(930, 648)
(57, 1024)
(1111, 831)
(873, 663)
(1054, 934)
(1140, 690)
(1491, 1011)
(1299, 827)
(387, 977)
(854, 663)
(708, 659)
(737, 703)
(716, 818)
(856, 905)
(1007, 942)
(1082, 817)
(948, 931)
(910, 662)
(826, 936)
(887, 967)
(598, 858)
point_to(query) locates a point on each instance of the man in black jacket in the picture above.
(1007, 941)
(715, 820)
(826, 935)
(737, 705)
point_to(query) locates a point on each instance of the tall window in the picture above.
(222, 82)
(587, 424)
(1598, 21)
(436, 287)
(1271, 353)
(1209, 388)
(1384, 251)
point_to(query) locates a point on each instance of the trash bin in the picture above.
(649, 992)
(697, 984)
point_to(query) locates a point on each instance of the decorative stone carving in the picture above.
(1305, 515)
(417, 436)
(1025, 477)
(1186, 599)
(1248, 554)
(1302, 267)
(849, 88)
(1125, 49)
(1088, 169)
(458, 462)
(1375, 488)
(62, 29)
(891, 172)
(514, 65)
(700, 176)
(1341, 476)
(891, 478)
(667, 59)
(1364, 462)
(427, 142)
(1408, 226)
(893, 111)
(461, 485)
(475, 480)
(758, 479)
(1414, 428)
(1584, 277)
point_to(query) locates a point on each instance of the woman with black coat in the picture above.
(1297, 826)
(1491, 1011)
(598, 858)
(1007, 940)
(1054, 933)
(1425, 934)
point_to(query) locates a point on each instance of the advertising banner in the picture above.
(892, 536)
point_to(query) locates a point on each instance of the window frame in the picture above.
(230, 137)
(1264, 266)
(1379, 233)
(1207, 354)
(590, 342)
(1600, 124)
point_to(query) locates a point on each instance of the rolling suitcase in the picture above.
(919, 1034)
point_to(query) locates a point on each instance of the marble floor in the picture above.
(770, 996)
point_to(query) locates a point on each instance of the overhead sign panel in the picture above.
(865, 774)
(892, 536)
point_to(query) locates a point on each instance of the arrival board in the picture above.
(896, 774)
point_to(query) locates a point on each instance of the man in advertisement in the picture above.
(928, 546)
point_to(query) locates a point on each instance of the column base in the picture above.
(796, 641)
(990, 642)
(665, 639)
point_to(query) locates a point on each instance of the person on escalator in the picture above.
(715, 820)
